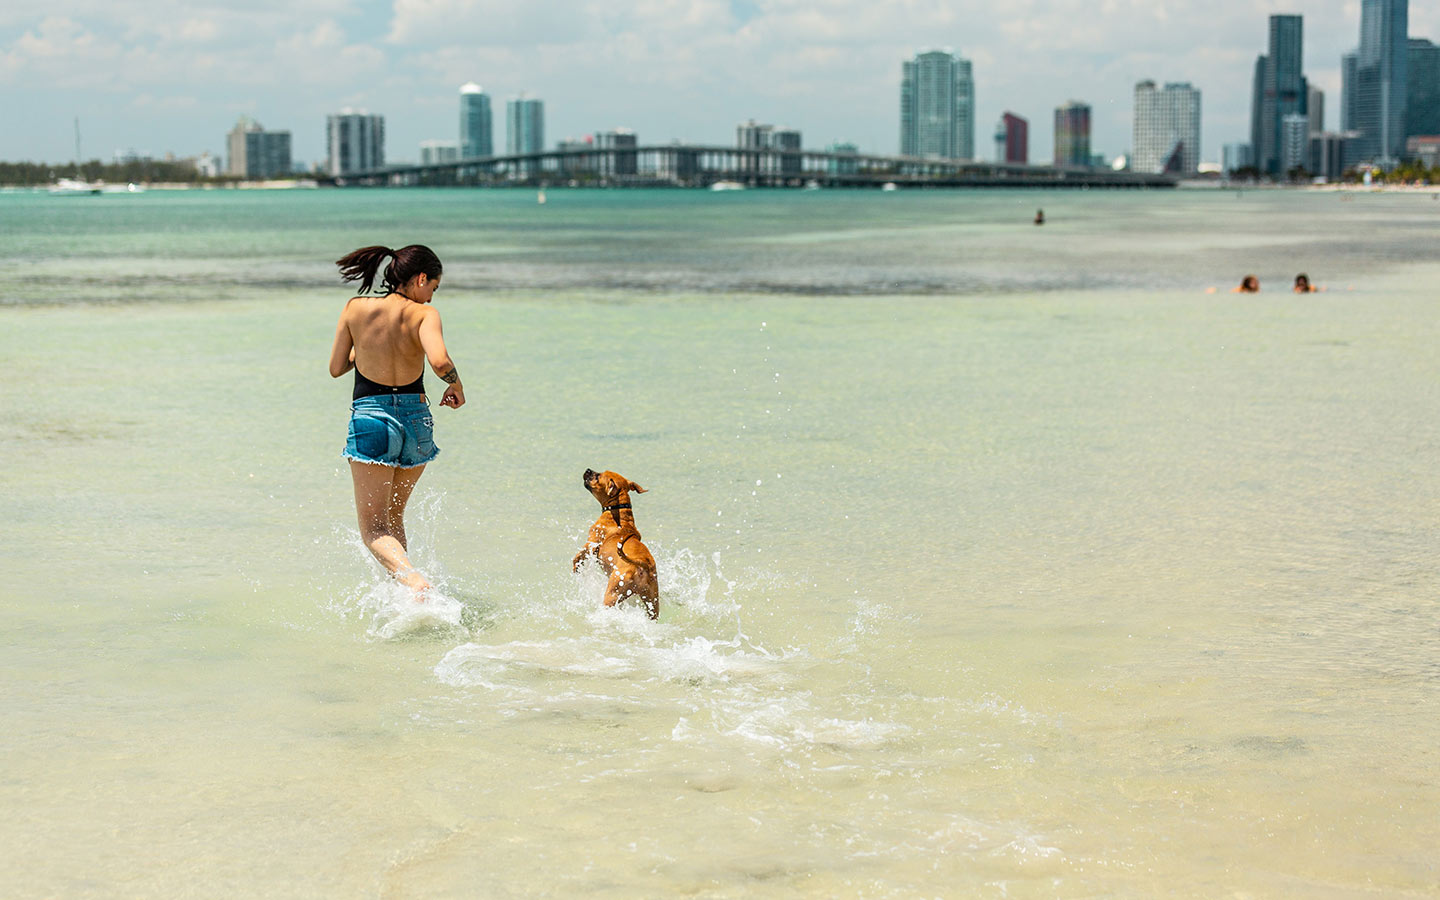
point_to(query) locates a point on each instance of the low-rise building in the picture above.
(434, 153)
(621, 158)
(1424, 149)
(1331, 153)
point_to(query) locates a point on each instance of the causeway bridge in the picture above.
(689, 165)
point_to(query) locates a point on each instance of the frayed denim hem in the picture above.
(375, 462)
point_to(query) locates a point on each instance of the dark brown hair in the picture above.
(361, 266)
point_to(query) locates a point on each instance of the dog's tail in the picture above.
(620, 549)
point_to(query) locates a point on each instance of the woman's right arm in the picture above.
(342, 352)
(432, 341)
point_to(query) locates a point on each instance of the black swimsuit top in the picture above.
(364, 387)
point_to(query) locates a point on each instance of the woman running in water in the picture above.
(387, 338)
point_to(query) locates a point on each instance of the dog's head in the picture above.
(609, 487)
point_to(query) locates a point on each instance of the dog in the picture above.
(615, 541)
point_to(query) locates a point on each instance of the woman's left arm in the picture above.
(342, 352)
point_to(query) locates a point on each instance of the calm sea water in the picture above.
(996, 560)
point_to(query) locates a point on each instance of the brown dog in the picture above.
(615, 541)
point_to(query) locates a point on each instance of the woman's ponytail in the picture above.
(363, 264)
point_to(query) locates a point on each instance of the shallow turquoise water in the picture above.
(997, 561)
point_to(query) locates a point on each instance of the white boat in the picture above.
(727, 186)
(69, 187)
(888, 186)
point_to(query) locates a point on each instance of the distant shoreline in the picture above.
(283, 184)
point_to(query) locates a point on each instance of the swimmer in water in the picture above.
(1248, 285)
(1039, 217)
(1303, 285)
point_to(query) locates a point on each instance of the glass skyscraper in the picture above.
(475, 122)
(354, 142)
(1380, 90)
(937, 107)
(1349, 84)
(1422, 89)
(524, 126)
(1284, 90)
(1257, 110)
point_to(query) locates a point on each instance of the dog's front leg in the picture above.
(587, 550)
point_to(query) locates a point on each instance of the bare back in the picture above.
(386, 335)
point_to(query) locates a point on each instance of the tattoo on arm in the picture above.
(449, 375)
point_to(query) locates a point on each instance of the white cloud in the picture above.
(46, 54)
(492, 23)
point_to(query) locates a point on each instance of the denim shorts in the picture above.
(391, 430)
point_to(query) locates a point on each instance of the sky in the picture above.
(173, 76)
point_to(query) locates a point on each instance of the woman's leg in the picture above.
(404, 484)
(374, 501)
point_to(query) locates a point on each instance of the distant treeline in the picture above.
(1411, 172)
(140, 172)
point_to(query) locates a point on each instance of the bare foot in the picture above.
(415, 582)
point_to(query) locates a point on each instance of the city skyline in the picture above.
(178, 82)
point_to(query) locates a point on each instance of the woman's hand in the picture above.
(454, 397)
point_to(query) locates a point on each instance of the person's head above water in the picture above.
(1302, 284)
(1249, 285)
(415, 265)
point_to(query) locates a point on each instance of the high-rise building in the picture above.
(1166, 129)
(1258, 109)
(436, 152)
(1280, 90)
(1236, 157)
(257, 153)
(1012, 140)
(937, 106)
(1072, 134)
(524, 125)
(1422, 89)
(1315, 109)
(354, 142)
(476, 128)
(1380, 90)
(1349, 84)
(1294, 143)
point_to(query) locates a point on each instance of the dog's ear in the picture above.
(636, 488)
